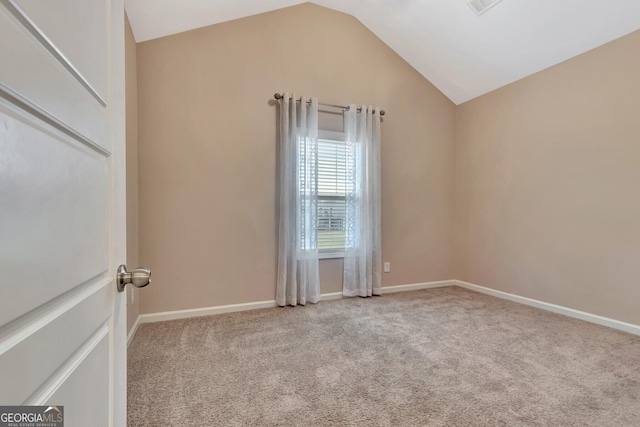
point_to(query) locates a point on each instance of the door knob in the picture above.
(140, 277)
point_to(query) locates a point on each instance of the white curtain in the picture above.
(362, 259)
(298, 277)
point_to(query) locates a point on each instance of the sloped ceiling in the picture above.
(462, 54)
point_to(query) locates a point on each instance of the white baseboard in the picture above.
(133, 330)
(220, 309)
(331, 296)
(577, 314)
(418, 286)
(205, 311)
(398, 288)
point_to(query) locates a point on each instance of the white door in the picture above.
(62, 208)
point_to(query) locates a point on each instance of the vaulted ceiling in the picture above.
(462, 54)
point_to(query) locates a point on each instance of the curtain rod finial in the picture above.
(277, 96)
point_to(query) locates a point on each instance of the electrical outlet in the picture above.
(387, 267)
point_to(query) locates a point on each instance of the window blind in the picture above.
(331, 194)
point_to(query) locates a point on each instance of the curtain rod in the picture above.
(344, 107)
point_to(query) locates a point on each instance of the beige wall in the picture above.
(547, 176)
(133, 307)
(207, 147)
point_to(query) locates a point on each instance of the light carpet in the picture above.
(439, 357)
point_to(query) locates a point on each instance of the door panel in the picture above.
(62, 208)
(54, 217)
(31, 71)
(56, 333)
(61, 21)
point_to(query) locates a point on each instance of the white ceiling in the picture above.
(462, 54)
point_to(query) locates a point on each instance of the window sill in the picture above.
(330, 255)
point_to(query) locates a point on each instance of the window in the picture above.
(331, 194)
